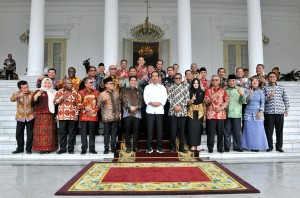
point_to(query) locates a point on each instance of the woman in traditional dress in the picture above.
(196, 114)
(254, 136)
(45, 136)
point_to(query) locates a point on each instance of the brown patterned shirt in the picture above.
(110, 104)
(25, 112)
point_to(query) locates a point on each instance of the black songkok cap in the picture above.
(231, 76)
(202, 69)
(108, 79)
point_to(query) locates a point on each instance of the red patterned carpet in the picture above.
(159, 178)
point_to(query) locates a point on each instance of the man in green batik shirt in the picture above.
(232, 127)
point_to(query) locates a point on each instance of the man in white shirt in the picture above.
(155, 96)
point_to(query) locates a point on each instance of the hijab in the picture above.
(51, 94)
(199, 92)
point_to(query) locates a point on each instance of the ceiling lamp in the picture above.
(146, 51)
(147, 32)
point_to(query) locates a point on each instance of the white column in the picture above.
(36, 39)
(184, 35)
(255, 46)
(111, 32)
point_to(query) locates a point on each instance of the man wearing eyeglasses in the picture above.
(178, 99)
(88, 115)
(216, 100)
(112, 72)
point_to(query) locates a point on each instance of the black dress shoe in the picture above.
(42, 152)
(238, 150)
(182, 150)
(71, 152)
(254, 150)
(220, 150)
(113, 150)
(83, 152)
(61, 152)
(280, 150)
(93, 151)
(269, 150)
(28, 152)
(105, 151)
(227, 150)
(136, 150)
(16, 152)
(47, 152)
(210, 151)
(173, 150)
(128, 150)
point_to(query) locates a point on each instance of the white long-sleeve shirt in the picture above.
(155, 93)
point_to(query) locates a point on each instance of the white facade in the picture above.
(82, 24)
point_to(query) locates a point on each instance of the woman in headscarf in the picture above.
(45, 136)
(196, 114)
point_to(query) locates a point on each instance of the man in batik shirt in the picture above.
(237, 97)
(24, 117)
(132, 101)
(88, 115)
(68, 101)
(216, 100)
(109, 102)
(178, 97)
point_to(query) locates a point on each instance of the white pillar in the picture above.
(36, 39)
(111, 32)
(184, 35)
(255, 45)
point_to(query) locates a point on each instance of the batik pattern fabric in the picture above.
(88, 98)
(10, 64)
(25, 111)
(132, 97)
(75, 83)
(178, 95)
(205, 84)
(279, 103)
(109, 102)
(255, 104)
(68, 109)
(123, 74)
(219, 99)
(45, 136)
(234, 109)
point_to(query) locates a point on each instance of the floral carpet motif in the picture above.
(216, 179)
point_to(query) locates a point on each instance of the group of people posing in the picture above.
(159, 101)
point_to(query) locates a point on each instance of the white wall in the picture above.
(83, 27)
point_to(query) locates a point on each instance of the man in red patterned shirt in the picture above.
(88, 115)
(216, 100)
(123, 73)
(68, 101)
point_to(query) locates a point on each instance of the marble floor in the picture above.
(34, 179)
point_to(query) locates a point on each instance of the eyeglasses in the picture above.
(112, 69)
(92, 70)
(177, 78)
(215, 80)
(110, 83)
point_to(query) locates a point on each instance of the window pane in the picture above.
(244, 56)
(231, 59)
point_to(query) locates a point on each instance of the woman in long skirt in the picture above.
(254, 136)
(196, 114)
(45, 136)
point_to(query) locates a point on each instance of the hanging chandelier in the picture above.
(146, 51)
(147, 32)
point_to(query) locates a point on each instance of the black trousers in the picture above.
(277, 121)
(232, 127)
(213, 127)
(177, 125)
(67, 128)
(132, 124)
(20, 135)
(88, 128)
(9, 73)
(110, 133)
(157, 121)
